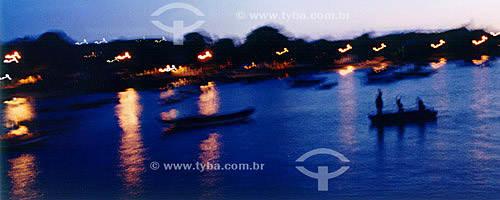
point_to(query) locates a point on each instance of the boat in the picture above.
(198, 121)
(173, 99)
(414, 72)
(326, 86)
(305, 82)
(22, 141)
(406, 117)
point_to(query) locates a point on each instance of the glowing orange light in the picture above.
(349, 69)
(495, 34)
(209, 99)
(483, 39)
(30, 79)
(167, 68)
(14, 57)
(436, 65)
(441, 43)
(382, 46)
(382, 67)
(205, 56)
(348, 47)
(484, 58)
(126, 55)
(282, 52)
(251, 66)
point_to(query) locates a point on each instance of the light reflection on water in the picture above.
(209, 99)
(347, 110)
(210, 154)
(23, 174)
(131, 150)
(18, 110)
(455, 157)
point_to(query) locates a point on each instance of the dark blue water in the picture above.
(106, 152)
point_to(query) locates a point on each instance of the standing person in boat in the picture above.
(400, 105)
(379, 102)
(421, 106)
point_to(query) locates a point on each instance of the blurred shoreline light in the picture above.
(7, 76)
(205, 55)
(250, 66)
(382, 46)
(167, 68)
(102, 41)
(80, 43)
(484, 58)
(348, 47)
(478, 42)
(495, 34)
(163, 39)
(126, 55)
(14, 57)
(285, 50)
(349, 69)
(441, 43)
(436, 65)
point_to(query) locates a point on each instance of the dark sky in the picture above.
(112, 19)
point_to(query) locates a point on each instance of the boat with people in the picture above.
(401, 116)
(198, 121)
(404, 117)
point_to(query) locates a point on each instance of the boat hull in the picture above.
(204, 121)
(415, 116)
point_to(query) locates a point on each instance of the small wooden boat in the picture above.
(326, 86)
(305, 82)
(173, 99)
(400, 118)
(211, 120)
(22, 141)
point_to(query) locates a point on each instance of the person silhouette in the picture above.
(421, 106)
(379, 102)
(400, 105)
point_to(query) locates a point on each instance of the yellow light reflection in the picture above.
(210, 149)
(18, 110)
(210, 154)
(484, 58)
(441, 43)
(23, 173)
(349, 69)
(166, 94)
(437, 65)
(495, 34)
(382, 67)
(169, 115)
(131, 150)
(209, 99)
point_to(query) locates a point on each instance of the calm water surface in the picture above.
(105, 152)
